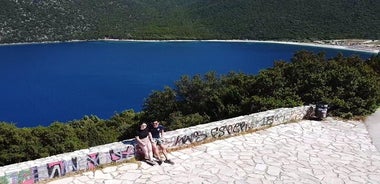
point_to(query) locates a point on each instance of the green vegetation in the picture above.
(350, 85)
(38, 20)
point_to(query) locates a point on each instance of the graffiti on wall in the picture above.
(265, 121)
(90, 161)
(251, 122)
(123, 154)
(229, 129)
(297, 115)
(196, 136)
(226, 130)
(26, 176)
(71, 165)
(61, 168)
(56, 169)
(93, 160)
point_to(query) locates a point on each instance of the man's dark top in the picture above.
(142, 133)
(156, 131)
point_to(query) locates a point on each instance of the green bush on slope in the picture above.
(350, 85)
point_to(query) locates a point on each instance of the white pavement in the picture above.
(305, 152)
(373, 126)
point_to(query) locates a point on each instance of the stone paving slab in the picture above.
(305, 152)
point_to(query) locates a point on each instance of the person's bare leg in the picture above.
(156, 151)
(167, 160)
(163, 148)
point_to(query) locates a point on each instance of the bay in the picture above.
(43, 83)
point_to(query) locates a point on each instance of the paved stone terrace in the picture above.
(304, 152)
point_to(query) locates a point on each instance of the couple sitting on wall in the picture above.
(149, 141)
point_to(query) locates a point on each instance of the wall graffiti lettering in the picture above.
(121, 155)
(71, 165)
(56, 169)
(35, 174)
(268, 121)
(296, 115)
(196, 136)
(251, 123)
(26, 176)
(93, 160)
(229, 129)
(279, 118)
(265, 121)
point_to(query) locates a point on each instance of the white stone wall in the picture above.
(87, 159)
(232, 126)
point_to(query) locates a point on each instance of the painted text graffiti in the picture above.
(121, 155)
(56, 169)
(93, 160)
(228, 129)
(196, 136)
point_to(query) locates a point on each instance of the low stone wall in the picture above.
(232, 126)
(88, 159)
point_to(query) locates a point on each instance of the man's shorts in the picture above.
(158, 141)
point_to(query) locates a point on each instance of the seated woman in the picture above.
(144, 138)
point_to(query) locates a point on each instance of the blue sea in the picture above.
(43, 83)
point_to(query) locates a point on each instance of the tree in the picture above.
(160, 104)
(12, 144)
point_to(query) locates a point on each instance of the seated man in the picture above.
(157, 133)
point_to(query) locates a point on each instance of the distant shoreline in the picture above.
(310, 44)
(368, 50)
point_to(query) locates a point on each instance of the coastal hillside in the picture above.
(59, 20)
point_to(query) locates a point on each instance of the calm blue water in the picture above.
(43, 83)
